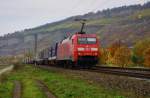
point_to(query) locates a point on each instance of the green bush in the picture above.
(137, 60)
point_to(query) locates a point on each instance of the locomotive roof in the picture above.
(78, 35)
(86, 35)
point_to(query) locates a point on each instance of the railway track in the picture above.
(141, 73)
(131, 72)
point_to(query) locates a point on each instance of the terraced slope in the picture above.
(127, 23)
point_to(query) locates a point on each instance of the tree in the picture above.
(140, 46)
(139, 52)
(114, 46)
(147, 57)
(103, 56)
(112, 51)
(122, 57)
(137, 60)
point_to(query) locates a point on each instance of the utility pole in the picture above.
(24, 50)
(35, 48)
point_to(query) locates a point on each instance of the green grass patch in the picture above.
(31, 89)
(6, 90)
(56, 27)
(73, 25)
(59, 85)
(102, 21)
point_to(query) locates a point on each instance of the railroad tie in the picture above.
(17, 89)
(44, 87)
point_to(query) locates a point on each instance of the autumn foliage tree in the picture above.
(117, 54)
(113, 47)
(103, 56)
(141, 46)
(147, 57)
(122, 57)
(141, 53)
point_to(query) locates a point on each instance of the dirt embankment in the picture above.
(5, 69)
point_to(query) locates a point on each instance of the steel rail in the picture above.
(141, 73)
(132, 72)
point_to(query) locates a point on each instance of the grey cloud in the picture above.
(21, 14)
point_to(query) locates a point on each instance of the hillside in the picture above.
(128, 24)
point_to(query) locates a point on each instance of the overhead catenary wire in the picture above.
(87, 7)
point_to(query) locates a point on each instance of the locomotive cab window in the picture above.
(91, 40)
(82, 40)
(86, 40)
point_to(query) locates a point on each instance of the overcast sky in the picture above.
(20, 14)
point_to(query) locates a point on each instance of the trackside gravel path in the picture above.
(9, 68)
(45, 89)
(17, 89)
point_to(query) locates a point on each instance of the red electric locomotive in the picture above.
(80, 50)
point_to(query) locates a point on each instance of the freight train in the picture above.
(77, 50)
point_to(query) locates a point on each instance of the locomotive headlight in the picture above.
(80, 49)
(94, 49)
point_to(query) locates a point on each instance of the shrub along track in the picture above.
(128, 85)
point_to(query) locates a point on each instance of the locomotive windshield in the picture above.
(86, 40)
